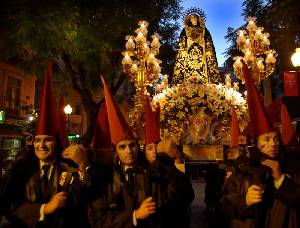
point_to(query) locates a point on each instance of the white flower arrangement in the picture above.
(183, 100)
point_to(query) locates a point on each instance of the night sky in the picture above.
(220, 14)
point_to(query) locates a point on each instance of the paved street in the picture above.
(198, 206)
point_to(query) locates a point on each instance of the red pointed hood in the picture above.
(119, 128)
(288, 134)
(152, 124)
(248, 131)
(62, 123)
(273, 110)
(258, 115)
(235, 129)
(101, 138)
(47, 121)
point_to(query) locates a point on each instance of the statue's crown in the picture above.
(194, 10)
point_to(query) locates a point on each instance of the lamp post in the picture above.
(68, 111)
(291, 78)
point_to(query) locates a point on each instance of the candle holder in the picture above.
(255, 46)
(142, 67)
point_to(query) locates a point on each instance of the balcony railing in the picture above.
(12, 107)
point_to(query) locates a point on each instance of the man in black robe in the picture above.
(176, 211)
(41, 190)
(122, 200)
(265, 193)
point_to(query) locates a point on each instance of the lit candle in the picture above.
(165, 79)
(260, 65)
(126, 60)
(146, 48)
(238, 63)
(155, 43)
(266, 40)
(248, 56)
(140, 37)
(251, 24)
(236, 86)
(270, 58)
(258, 34)
(143, 27)
(130, 44)
(150, 58)
(241, 39)
(228, 81)
(134, 68)
(247, 44)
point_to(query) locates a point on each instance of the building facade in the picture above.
(17, 91)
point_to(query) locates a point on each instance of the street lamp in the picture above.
(291, 87)
(68, 111)
(296, 58)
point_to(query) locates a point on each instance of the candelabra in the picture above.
(141, 65)
(259, 57)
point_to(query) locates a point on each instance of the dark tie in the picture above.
(129, 178)
(45, 187)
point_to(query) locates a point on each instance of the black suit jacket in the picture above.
(23, 201)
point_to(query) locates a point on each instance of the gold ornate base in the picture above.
(203, 152)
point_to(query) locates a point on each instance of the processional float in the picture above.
(195, 106)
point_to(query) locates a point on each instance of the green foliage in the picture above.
(282, 19)
(232, 51)
(91, 33)
(253, 8)
(83, 39)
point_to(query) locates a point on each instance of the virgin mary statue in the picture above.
(196, 56)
